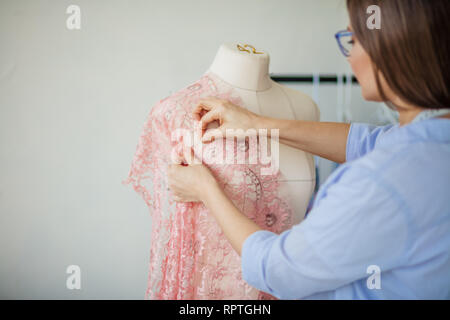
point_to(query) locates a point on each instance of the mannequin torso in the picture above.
(248, 73)
(190, 257)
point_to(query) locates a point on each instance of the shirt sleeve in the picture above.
(359, 223)
(362, 138)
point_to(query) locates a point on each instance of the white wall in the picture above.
(72, 105)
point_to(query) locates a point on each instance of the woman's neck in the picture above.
(242, 69)
(407, 115)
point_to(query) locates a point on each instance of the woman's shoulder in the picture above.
(422, 157)
(417, 174)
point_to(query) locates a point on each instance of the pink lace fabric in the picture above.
(190, 257)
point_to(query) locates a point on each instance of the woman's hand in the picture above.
(189, 183)
(194, 182)
(229, 116)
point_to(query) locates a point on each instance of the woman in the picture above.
(380, 225)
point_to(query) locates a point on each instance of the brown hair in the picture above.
(411, 50)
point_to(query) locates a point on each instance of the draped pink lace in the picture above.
(190, 257)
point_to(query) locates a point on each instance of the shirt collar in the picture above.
(429, 130)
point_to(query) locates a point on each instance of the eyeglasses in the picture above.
(345, 42)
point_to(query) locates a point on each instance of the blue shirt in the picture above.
(379, 227)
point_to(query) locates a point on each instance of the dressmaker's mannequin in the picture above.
(190, 257)
(247, 70)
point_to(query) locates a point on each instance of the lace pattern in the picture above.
(190, 257)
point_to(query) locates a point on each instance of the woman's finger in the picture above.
(204, 105)
(209, 117)
(175, 157)
(189, 156)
